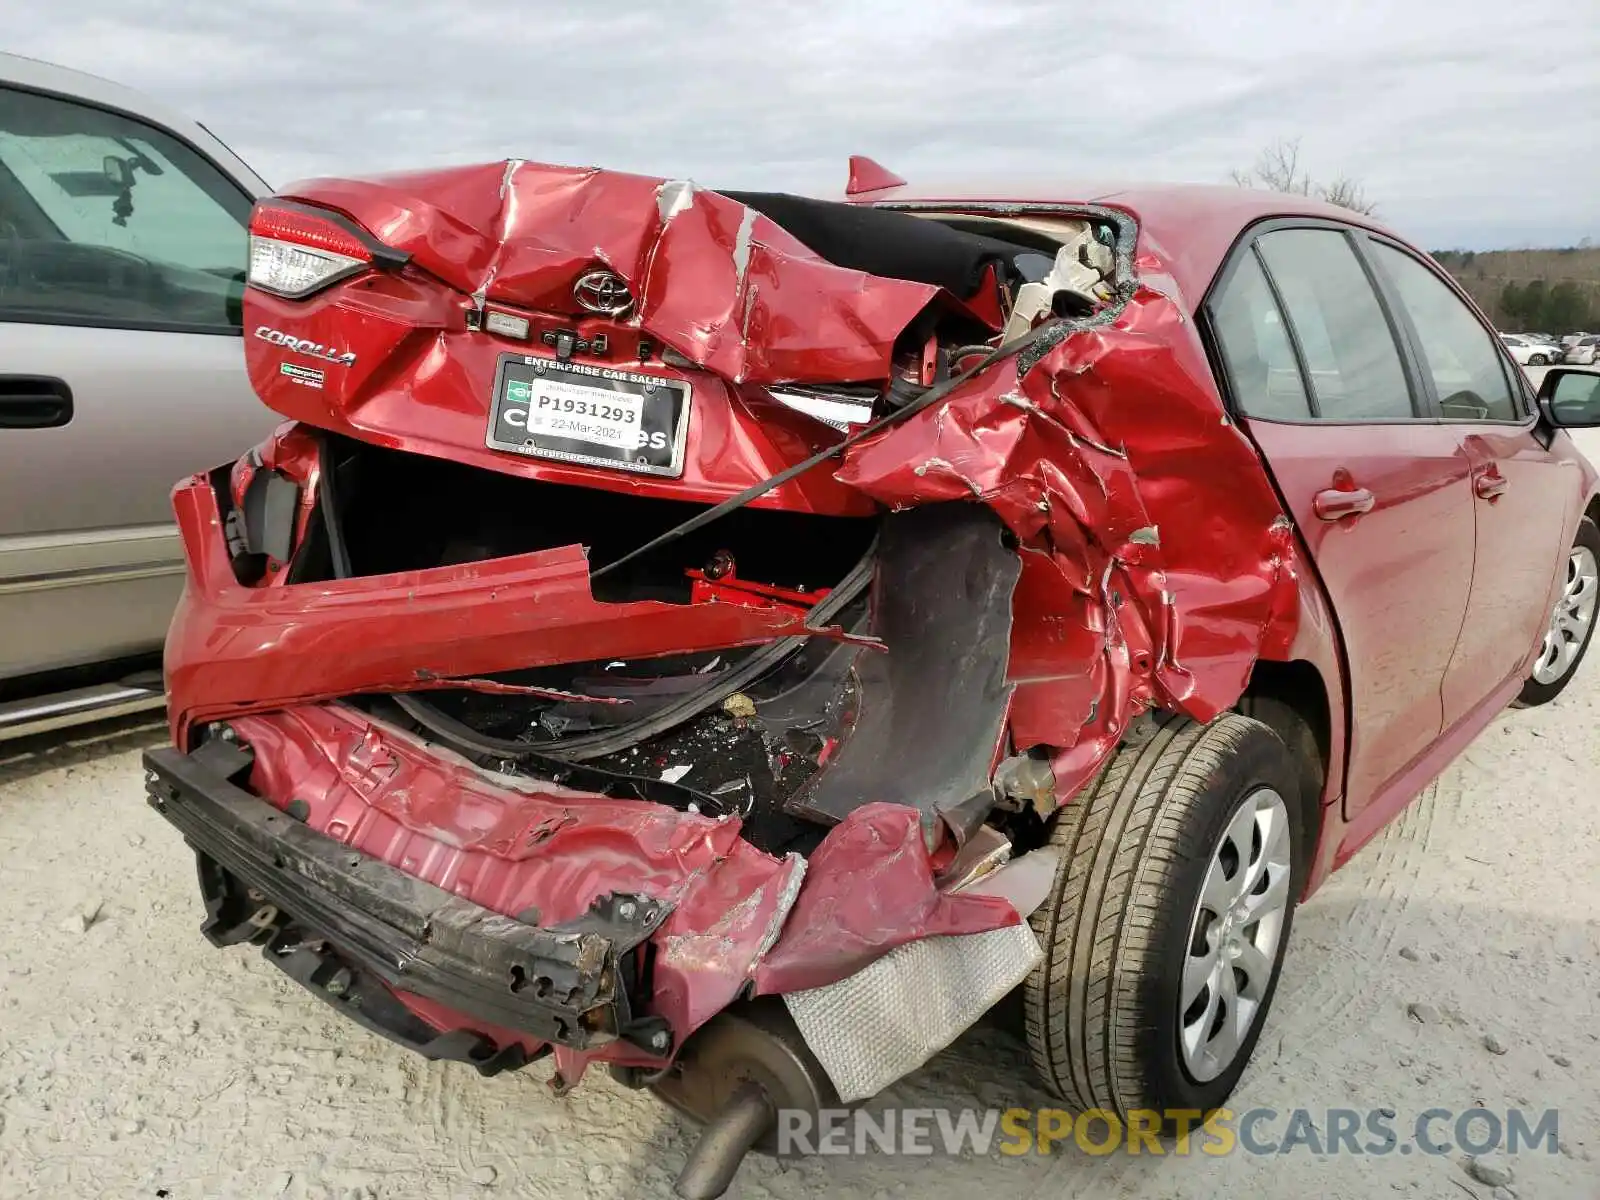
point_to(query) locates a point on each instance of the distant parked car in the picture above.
(1529, 351)
(122, 269)
(1571, 338)
(1585, 352)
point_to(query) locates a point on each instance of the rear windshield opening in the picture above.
(401, 511)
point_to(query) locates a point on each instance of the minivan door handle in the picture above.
(1334, 504)
(34, 402)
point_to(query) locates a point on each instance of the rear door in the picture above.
(1523, 495)
(1380, 492)
(122, 256)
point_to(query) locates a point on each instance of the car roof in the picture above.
(1189, 227)
(34, 75)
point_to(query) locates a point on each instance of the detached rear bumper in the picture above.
(349, 926)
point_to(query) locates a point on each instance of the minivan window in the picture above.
(105, 220)
(1349, 349)
(1256, 350)
(1468, 372)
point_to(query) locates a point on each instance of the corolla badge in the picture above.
(341, 358)
(602, 292)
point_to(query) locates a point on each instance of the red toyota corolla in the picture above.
(740, 638)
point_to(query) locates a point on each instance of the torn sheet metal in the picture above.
(543, 853)
(889, 899)
(723, 299)
(234, 649)
(731, 292)
(1156, 566)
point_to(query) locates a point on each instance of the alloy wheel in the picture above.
(1233, 935)
(1570, 619)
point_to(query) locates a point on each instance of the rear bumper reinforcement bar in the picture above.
(268, 878)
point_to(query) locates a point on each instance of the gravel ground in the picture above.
(136, 1061)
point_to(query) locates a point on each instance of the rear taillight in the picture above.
(296, 249)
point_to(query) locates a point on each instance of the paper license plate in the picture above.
(596, 416)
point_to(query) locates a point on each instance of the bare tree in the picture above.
(1278, 169)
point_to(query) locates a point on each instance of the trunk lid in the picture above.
(666, 335)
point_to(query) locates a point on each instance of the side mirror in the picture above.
(1570, 399)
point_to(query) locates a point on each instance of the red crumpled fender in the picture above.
(1158, 564)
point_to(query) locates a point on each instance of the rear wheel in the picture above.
(1572, 621)
(1165, 930)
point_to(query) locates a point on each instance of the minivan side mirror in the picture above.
(1570, 399)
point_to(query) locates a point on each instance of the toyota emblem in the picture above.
(602, 292)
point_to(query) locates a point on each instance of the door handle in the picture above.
(1490, 486)
(34, 402)
(1335, 504)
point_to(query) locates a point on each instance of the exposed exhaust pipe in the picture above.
(735, 1075)
(745, 1119)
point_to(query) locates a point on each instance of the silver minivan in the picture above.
(122, 263)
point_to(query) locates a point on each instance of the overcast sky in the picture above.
(1472, 124)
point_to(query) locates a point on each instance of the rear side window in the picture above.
(107, 221)
(1255, 346)
(1458, 352)
(1340, 326)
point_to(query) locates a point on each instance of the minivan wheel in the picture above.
(1537, 360)
(1572, 621)
(1165, 930)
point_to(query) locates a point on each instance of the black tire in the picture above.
(1535, 693)
(1102, 1007)
(1537, 360)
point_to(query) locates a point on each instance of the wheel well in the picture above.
(1291, 699)
(1593, 511)
(1298, 687)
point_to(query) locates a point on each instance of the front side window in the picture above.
(105, 220)
(1339, 324)
(1457, 351)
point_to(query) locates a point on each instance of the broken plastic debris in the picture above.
(1082, 266)
(739, 705)
(674, 774)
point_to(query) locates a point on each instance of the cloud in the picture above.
(1468, 124)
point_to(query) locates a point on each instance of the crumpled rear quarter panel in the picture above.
(1157, 561)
